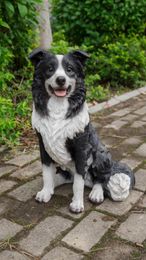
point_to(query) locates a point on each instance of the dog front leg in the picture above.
(48, 183)
(77, 204)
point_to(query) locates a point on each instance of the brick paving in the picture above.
(111, 230)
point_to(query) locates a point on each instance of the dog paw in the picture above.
(96, 195)
(76, 207)
(43, 196)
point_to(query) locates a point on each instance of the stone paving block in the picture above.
(143, 118)
(64, 190)
(142, 202)
(7, 169)
(132, 141)
(114, 251)
(8, 229)
(132, 163)
(27, 190)
(24, 159)
(140, 179)
(138, 124)
(129, 117)
(141, 111)
(6, 185)
(111, 141)
(120, 208)
(12, 255)
(28, 171)
(121, 112)
(3, 148)
(41, 236)
(141, 150)
(5, 204)
(134, 228)
(96, 125)
(89, 231)
(62, 253)
(116, 125)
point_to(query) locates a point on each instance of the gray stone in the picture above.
(96, 125)
(142, 202)
(141, 150)
(138, 124)
(28, 171)
(62, 253)
(5, 204)
(111, 141)
(132, 163)
(6, 185)
(144, 118)
(24, 159)
(3, 148)
(140, 177)
(6, 169)
(89, 231)
(141, 111)
(121, 112)
(134, 228)
(64, 190)
(114, 251)
(12, 255)
(41, 236)
(129, 117)
(132, 141)
(27, 190)
(8, 229)
(120, 208)
(116, 125)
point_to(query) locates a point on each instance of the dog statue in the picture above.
(69, 146)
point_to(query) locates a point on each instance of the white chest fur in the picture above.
(55, 128)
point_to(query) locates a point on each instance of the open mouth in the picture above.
(60, 92)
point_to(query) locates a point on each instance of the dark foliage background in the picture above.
(113, 32)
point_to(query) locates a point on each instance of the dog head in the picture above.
(60, 73)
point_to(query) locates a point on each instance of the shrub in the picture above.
(123, 63)
(18, 35)
(12, 120)
(97, 22)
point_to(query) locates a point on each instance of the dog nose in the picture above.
(60, 80)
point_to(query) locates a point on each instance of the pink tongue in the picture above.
(60, 93)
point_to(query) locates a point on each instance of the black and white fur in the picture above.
(69, 147)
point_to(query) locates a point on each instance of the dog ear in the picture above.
(80, 55)
(36, 55)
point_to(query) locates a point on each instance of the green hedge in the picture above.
(93, 22)
(18, 24)
(113, 32)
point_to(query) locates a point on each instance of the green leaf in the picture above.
(22, 10)
(10, 8)
(4, 24)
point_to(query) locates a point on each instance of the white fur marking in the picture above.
(77, 204)
(55, 128)
(96, 195)
(48, 184)
(119, 185)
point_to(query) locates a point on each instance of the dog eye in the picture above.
(69, 69)
(50, 68)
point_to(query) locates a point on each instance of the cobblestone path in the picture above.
(112, 230)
